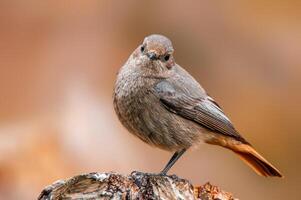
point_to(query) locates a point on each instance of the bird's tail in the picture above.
(258, 163)
(248, 154)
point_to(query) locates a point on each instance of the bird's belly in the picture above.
(146, 118)
(169, 131)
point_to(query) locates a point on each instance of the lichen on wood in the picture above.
(136, 186)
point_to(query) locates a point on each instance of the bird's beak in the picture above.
(151, 55)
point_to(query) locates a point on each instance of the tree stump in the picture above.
(136, 186)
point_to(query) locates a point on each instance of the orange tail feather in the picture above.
(248, 154)
(258, 163)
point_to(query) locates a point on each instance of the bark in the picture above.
(135, 186)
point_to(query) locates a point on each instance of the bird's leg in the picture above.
(172, 161)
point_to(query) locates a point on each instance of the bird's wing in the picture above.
(203, 109)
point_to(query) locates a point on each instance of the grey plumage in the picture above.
(201, 109)
(163, 105)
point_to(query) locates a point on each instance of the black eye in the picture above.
(142, 49)
(166, 58)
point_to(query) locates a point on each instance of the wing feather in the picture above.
(203, 110)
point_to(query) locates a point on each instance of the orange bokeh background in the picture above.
(59, 59)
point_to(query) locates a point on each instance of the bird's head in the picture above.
(155, 52)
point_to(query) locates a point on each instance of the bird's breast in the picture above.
(129, 97)
(142, 113)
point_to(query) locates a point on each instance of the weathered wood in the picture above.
(136, 186)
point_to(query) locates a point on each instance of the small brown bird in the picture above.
(162, 104)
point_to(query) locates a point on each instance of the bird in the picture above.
(162, 104)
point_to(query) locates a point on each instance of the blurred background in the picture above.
(59, 59)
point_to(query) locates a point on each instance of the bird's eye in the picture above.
(166, 58)
(142, 49)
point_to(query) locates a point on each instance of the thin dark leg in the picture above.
(172, 161)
